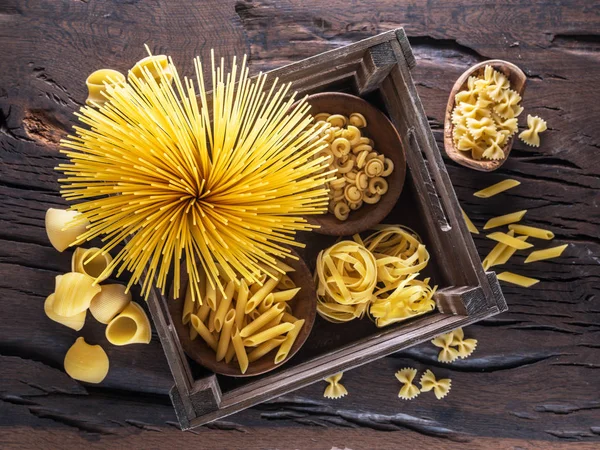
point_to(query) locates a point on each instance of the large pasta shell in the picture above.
(75, 322)
(56, 227)
(85, 362)
(96, 84)
(110, 301)
(130, 327)
(94, 267)
(74, 293)
(155, 64)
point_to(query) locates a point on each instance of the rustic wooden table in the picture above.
(534, 379)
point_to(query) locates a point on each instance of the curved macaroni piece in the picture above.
(335, 389)
(374, 168)
(93, 262)
(506, 219)
(110, 301)
(406, 377)
(96, 83)
(321, 117)
(378, 186)
(497, 188)
(64, 227)
(73, 294)
(440, 387)
(531, 136)
(337, 120)
(358, 120)
(341, 211)
(353, 194)
(130, 326)
(75, 322)
(547, 253)
(519, 280)
(340, 147)
(85, 362)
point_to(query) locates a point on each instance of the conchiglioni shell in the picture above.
(131, 326)
(110, 301)
(85, 362)
(95, 84)
(149, 63)
(74, 293)
(56, 221)
(94, 267)
(75, 322)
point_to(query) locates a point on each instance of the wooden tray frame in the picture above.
(382, 62)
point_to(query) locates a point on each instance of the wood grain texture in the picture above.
(533, 380)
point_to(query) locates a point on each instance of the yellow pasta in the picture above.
(406, 377)
(547, 253)
(265, 348)
(440, 387)
(92, 262)
(254, 326)
(335, 389)
(189, 305)
(240, 304)
(494, 254)
(260, 295)
(130, 326)
(225, 336)
(85, 362)
(447, 353)
(285, 295)
(290, 338)
(240, 351)
(224, 305)
(531, 136)
(96, 83)
(63, 227)
(203, 332)
(497, 188)
(75, 322)
(266, 335)
(74, 293)
(472, 228)
(499, 221)
(509, 240)
(519, 280)
(110, 301)
(505, 255)
(538, 233)
(157, 66)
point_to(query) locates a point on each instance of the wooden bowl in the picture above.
(517, 83)
(304, 306)
(387, 141)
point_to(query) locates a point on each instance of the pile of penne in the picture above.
(248, 320)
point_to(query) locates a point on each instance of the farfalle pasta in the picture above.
(531, 136)
(440, 387)
(447, 353)
(485, 114)
(335, 389)
(408, 391)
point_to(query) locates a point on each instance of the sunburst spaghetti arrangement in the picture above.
(222, 180)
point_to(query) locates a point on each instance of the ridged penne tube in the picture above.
(509, 240)
(507, 253)
(240, 351)
(266, 304)
(92, 262)
(110, 301)
(271, 333)
(96, 83)
(290, 338)
(225, 336)
(538, 233)
(519, 280)
(230, 353)
(74, 293)
(156, 64)
(211, 296)
(203, 311)
(75, 322)
(189, 305)
(63, 227)
(497, 188)
(499, 221)
(223, 307)
(240, 304)
(490, 259)
(262, 320)
(276, 321)
(85, 362)
(265, 348)
(131, 326)
(260, 295)
(203, 332)
(546, 253)
(470, 226)
(285, 295)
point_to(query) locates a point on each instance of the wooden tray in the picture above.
(378, 69)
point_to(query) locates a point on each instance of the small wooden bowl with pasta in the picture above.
(260, 358)
(358, 207)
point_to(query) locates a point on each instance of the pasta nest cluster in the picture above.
(360, 170)
(377, 275)
(485, 115)
(226, 179)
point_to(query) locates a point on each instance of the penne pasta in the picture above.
(211, 320)
(271, 333)
(203, 331)
(240, 351)
(287, 317)
(272, 323)
(490, 259)
(509, 240)
(265, 348)
(538, 233)
(471, 227)
(499, 221)
(203, 311)
(224, 304)
(254, 326)
(260, 295)
(547, 253)
(225, 336)
(240, 304)
(519, 280)
(188, 305)
(266, 304)
(507, 253)
(285, 295)
(497, 188)
(230, 353)
(287, 344)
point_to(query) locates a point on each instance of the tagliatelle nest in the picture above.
(222, 181)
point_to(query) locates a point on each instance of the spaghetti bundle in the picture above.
(223, 180)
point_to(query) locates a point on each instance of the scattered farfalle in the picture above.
(440, 387)
(447, 353)
(531, 136)
(494, 150)
(466, 347)
(406, 377)
(335, 389)
(505, 106)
